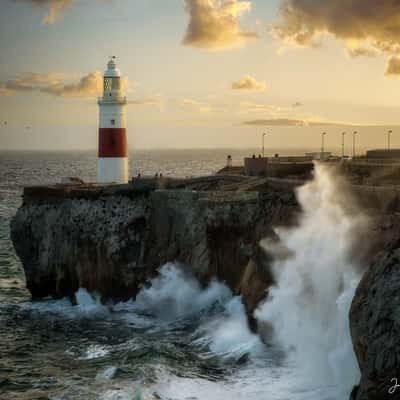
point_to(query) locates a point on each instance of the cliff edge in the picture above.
(111, 240)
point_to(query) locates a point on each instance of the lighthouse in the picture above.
(113, 150)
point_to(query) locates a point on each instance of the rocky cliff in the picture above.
(375, 318)
(110, 240)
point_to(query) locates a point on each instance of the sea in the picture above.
(176, 340)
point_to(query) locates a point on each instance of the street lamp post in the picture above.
(354, 143)
(343, 135)
(389, 135)
(263, 141)
(323, 145)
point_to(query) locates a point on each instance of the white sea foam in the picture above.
(95, 351)
(87, 305)
(252, 382)
(308, 311)
(128, 393)
(228, 335)
(316, 282)
(87, 302)
(106, 373)
(173, 295)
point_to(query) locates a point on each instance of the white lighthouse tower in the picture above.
(113, 150)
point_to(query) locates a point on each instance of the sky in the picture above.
(201, 73)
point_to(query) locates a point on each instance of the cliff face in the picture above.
(95, 244)
(375, 319)
(112, 243)
(112, 240)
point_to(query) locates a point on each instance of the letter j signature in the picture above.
(394, 387)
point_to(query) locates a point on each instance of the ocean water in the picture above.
(176, 341)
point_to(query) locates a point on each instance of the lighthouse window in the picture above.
(113, 122)
(107, 84)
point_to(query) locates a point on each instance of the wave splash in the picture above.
(228, 335)
(308, 311)
(316, 281)
(173, 295)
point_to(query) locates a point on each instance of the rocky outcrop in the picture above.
(95, 244)
(111, 241)
(375, 318)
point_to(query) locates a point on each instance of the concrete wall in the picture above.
(283, 170)
(278, 166)
(384, 153)
(255, 166)
(318, 155)
(291, 159)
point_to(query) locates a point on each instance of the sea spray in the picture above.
(86, 305)
(308, 309)
(227, 334)
(174, 294)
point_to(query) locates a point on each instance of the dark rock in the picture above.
(112, 240)
(79, 243)
(375, 327)
(354, 392)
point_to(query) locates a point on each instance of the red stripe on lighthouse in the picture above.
(112, 143)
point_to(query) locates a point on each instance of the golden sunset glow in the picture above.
(200, 72)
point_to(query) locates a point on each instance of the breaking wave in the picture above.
(179, 340)
(316, 281)
(174, 294)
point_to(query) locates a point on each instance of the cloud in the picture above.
(393, 67)
(365, 27)
(53, 7)
(148, 101)
(33, 81)
(358, 50)
(248, 83)
(271, 110)
(276, 122)
(214, 24)
(6, 92)
(88, 86)
(292, 122)
(157, 100)
(195, 105)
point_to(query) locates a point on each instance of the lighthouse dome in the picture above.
(112, 70)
